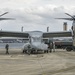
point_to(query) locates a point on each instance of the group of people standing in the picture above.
(51, 46)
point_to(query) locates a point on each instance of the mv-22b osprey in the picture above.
(36, 37)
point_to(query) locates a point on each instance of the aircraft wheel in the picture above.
(29, 52)
(47, 51)
(50, 50)
(23, 51)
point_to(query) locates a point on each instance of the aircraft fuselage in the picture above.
(35, 42)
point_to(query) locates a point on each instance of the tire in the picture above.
(69, 49)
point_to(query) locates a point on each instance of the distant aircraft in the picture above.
(5, 18)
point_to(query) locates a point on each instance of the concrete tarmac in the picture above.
(60, 62)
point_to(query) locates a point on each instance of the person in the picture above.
(7, 48)
(50, 47)
(29, 49)
(53, 46)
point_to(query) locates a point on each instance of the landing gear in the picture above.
(69, 48)
(50, 50)
(27, 52)
(24, 51)
(47, 51)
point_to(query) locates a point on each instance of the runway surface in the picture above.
(60, 62)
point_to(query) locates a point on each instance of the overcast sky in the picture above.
(36, 14)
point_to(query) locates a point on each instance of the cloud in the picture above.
(34, 15)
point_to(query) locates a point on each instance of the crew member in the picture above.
(7, 48)
(29, 50)
(51, 47)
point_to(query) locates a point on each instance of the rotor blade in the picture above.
(7, 19)
(3, 14)
(69, 15)
(65, 18)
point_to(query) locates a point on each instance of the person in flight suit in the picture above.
(7, 48)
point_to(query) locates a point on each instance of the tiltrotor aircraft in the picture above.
(36, 37)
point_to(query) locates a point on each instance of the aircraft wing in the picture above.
(13, 34)
(57, 34)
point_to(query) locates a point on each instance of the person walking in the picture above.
(7, 48)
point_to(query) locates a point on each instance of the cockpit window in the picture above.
(36, 39)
